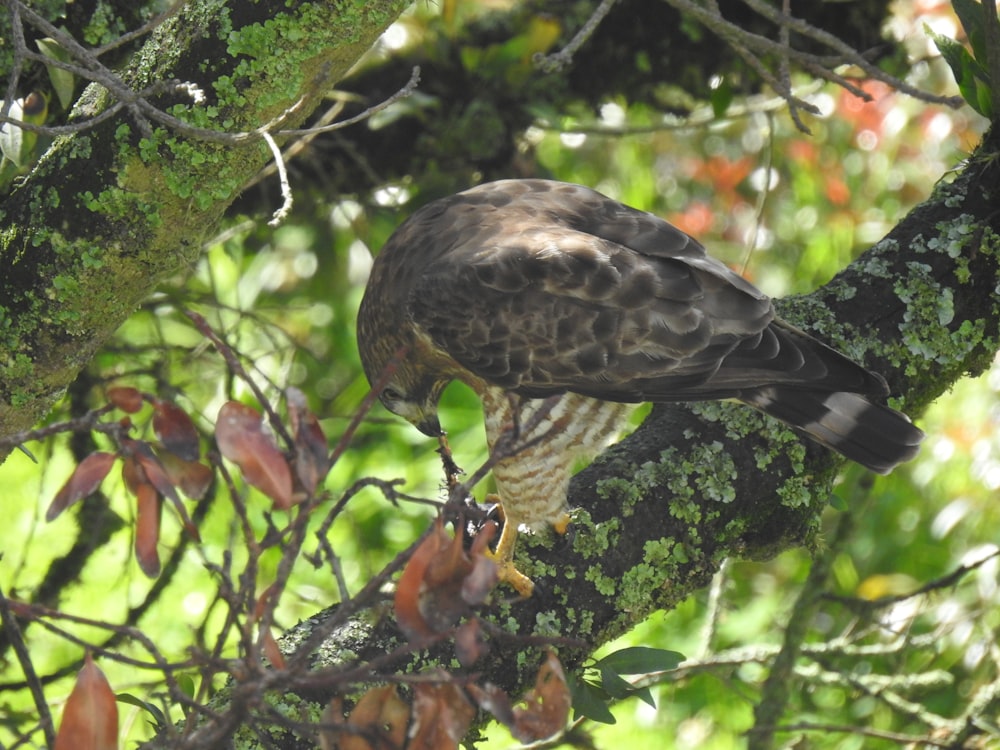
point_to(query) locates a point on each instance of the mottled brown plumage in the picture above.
(538, 289)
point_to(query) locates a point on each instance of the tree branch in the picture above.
(108, 198)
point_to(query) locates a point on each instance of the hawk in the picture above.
(561, 308)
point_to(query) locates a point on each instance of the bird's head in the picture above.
(409, 385)
(413, 394)
(409, 372)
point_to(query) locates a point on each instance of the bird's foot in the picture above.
(503, 556)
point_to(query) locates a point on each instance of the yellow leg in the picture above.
(503, 556)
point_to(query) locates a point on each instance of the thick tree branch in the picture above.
(106, 215)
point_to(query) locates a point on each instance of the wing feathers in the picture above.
(543, 287)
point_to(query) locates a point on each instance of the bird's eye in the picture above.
(391, 394)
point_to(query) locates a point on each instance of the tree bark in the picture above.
(110, 212)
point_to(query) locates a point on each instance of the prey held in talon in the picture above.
(561, 308)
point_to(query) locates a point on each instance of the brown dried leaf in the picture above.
(147, 529)
(175, 430)
(269, 645)
(157, 476)
(544, 710)
(126, 398)
(312, 462)
(470, 644)
(378, 721)
(441, 717)
(493, 699)
(90, 718)
(331, 718)
(132, 474)
(241, 438)
(192, 477)
(440, 582)
(407, 600)
(87, 476)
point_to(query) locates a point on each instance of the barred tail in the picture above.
(871, 434)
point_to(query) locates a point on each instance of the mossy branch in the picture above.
(111, 211)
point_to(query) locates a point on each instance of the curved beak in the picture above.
(430, 426)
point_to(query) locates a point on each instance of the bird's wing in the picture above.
(561, 288)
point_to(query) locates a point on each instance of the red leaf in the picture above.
(441, 717)
(470, 645)
(312, 462)
(270, 646)
(157, 476)
(380, 714)
(175, 430)
(147, 529)
(192, 477)
(545, 709)
(132, 473)
(90, 719)
(407, 600)
(127, 399)
(84, 480)
(241, 438)
(441, 582)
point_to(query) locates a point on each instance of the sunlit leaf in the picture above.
(63, 81)
(239, 432)
(175, 430)
(86, 478)
(127, 399)
(147, 529)
(441, 717)
(90, 718)
(641, 660)
(544, 710)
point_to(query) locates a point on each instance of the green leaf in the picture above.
(645, 696)
(159, 720)
(971, 77)
(12, 138)
(721, 97)
(972, 16)
(614, 685)
(63, 82)
(640, 660)
(837, 503)
(590, 701)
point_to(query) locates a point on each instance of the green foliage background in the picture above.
(286, 300)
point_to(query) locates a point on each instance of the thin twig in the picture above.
(564, 58)
(280, 213)
(12, 632)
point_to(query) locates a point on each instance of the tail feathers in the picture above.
(872, 434)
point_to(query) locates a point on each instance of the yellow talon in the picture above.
(503, 556)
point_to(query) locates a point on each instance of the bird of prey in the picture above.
(561, 307)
